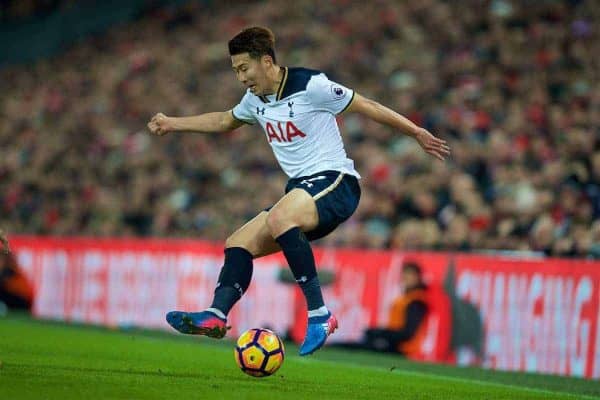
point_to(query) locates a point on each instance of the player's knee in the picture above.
(235, 241)
(229, 242)
(252, 245)
(277, 222)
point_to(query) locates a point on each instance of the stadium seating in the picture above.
(512, 88)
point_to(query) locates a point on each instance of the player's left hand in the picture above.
(432, 145)
(4, 242)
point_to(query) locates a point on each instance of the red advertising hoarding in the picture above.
(537, 315)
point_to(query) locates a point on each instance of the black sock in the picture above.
(234, 279)
(299, 256)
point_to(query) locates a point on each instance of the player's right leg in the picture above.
(251, 241)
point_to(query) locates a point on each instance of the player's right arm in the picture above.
(224, 121)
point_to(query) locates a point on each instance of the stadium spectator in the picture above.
(403, 333)
(15, 290)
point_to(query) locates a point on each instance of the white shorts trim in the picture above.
(329, 188)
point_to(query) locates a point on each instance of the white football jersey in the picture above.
(299, 122)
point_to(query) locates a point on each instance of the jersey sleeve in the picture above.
(328, 95)
(243, 111)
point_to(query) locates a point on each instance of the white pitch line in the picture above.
(497, 384)
(454, 379)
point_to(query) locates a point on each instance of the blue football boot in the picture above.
(316, 333)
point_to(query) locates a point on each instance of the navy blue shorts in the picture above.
(336, 195)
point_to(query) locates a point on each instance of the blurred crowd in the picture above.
(512, 85)
(11, 10)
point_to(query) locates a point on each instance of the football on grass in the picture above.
(259, 352)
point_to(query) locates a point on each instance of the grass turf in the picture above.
(47, 360)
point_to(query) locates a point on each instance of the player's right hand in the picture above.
(160, 124)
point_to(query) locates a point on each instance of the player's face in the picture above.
(252, 73)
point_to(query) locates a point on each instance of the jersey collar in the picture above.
(282, 84)
(277, 96)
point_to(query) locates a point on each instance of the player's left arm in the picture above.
(377, 112)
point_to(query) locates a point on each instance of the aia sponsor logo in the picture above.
(285, 132)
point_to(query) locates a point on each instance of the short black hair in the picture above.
(257, 41)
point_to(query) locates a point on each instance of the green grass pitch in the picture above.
(48, 360)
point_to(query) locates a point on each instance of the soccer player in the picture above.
(296, 108)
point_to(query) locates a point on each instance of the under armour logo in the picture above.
(260, 111)
(290, 105)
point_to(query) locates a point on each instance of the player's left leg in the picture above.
(294, 213)
(314, 205)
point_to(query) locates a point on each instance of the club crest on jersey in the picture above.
(290, 105)
(283, 134)
(337, 91)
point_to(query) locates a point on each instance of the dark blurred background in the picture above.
(512, 85)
